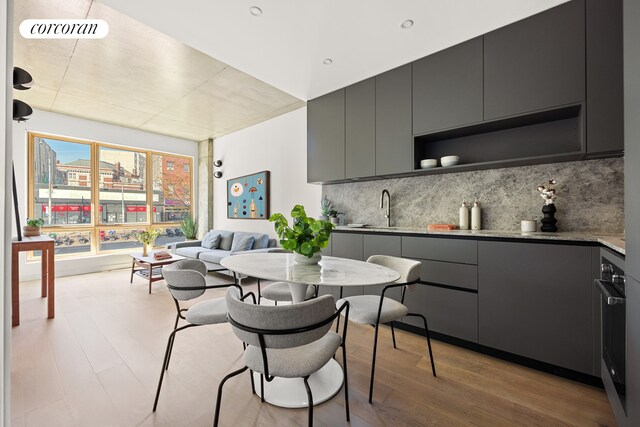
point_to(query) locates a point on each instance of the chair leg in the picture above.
(165, 362)
(426, 327)
(259, 292)
(393, 335)
(346, 382)
(219, 398)
(309, 399)
(373, 362)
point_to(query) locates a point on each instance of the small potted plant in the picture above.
(33, 227)
(189, 227)
(305, 238)
(325, 208)
(333, 216)
(147, 238)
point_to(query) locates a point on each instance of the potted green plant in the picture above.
(305, 238)
(33, 227)
(189, 227)
(325, 208)
(147, 237)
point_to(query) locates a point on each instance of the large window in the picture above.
(93, 197)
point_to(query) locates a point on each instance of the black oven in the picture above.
(613, 304)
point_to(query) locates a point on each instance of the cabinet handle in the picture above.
(611, 300)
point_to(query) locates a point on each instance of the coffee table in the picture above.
(149, 267)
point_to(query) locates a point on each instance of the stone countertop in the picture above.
(612, 241)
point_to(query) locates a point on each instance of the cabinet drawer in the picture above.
(382, 245)
(438, 249)
(450, 274)
(448, 311)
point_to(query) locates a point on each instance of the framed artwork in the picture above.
(248, 196)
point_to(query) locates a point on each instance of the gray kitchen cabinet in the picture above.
(535, 300)
(447, 88)
(463, 276)
(348, 245)
(633, 351)
(376, 244)
(463, 251)
(394, 139)
(605, 129)
(632, 203)
(360, 106)
(448, 311)
(632, 139)
(326, 138)
(537, 63)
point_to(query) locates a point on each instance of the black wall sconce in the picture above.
(22, 80)
(217, 164)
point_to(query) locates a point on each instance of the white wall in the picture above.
(278, 145)
(6, 66)
(57, 124)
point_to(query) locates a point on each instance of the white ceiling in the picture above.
(138, 77)
(285, 46)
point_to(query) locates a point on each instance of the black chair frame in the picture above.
(261, 334)
(169, 349)
(393, 335)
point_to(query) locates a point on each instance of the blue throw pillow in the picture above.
(211, 240)
(242, 243)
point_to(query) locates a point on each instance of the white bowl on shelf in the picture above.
(449, 160)
(428, 163)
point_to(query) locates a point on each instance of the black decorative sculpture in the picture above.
(548, 193)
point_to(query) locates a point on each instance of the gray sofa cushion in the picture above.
(261, 240)
(211, 240)
(214, 256)
(242, 242)
(226, 238)
(191, 251)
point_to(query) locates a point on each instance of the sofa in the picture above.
(215, 248)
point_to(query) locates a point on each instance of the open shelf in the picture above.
(547, 136)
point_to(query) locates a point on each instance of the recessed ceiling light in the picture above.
(407, 24)
(255, 11)
(327, 61)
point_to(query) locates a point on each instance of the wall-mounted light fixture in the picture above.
(22, 80)
(217, 164)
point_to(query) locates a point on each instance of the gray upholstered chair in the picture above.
(280, 292)
(186, 281)
(289, 341)
(376, 309)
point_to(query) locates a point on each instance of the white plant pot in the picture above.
(301, 259)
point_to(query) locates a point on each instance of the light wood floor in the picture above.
(97, 364)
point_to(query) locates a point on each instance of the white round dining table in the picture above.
(330, 271)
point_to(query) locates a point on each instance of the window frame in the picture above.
(95, 225)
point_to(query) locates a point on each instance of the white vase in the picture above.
(302, 259)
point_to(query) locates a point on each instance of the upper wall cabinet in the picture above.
(361, 129)
(394, 139)
(326, 138)
(447, 88)
(605, 128)
(537, 63)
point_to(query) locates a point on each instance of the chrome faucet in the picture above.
(388, 214)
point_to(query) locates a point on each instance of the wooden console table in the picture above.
(37, 243)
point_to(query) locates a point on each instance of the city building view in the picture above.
(63, 193)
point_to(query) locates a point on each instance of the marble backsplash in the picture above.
(590, 197)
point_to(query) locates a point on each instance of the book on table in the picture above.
(161, 255)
